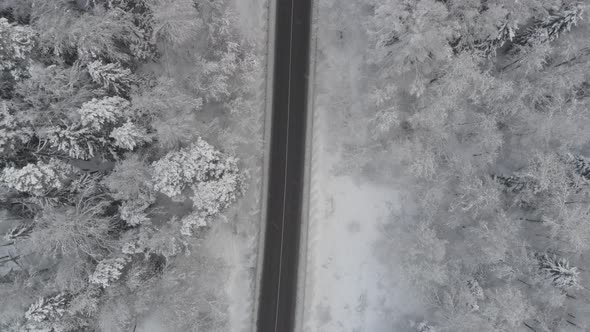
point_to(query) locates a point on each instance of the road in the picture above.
(276, 308)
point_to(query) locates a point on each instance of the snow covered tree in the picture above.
(16, 44)
(142, 13)
(191, 221)
(516, 184)
(424, 326)
(551, 27)
(128, 136)
(111, 76)
(20, 231)
(103, 126)
(475, 289)
(505, 33)
(78, 232)
(173, 111)
(568, 223)
(108, 270)
(48, 308)
(36, 179)
(558, 270)
(213, 179)
(175, 22)
(200, 162)
(166, 241)
(581, 165)
(14, 131)
(97, 113)
(411, 41)
(131, 183)
(103, 33)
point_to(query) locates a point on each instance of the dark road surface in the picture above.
(276, 309)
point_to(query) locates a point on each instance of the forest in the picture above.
(480, 109)
(128, 129)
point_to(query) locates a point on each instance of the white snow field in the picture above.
(348, 286)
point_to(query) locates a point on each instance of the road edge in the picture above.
(302, 274)
(270, 59)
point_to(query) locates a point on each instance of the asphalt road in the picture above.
(276, 309)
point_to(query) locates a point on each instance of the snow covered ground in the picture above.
(348, 285)
(239, 246)
(235, 242)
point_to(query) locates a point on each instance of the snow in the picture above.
(351, 292)
(237, 242)
(348, 285)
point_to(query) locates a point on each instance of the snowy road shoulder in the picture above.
(349, 288)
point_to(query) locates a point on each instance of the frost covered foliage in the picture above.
(211, 179)
(131, 183)
(79, 232)
(581, 165)
(14, 132)
(166, 241)
(102, 33)
(551, 27)
(474, 103)
(36, 179)
(505, 34)
(99, 113)
(108, 270)
(558, 270)
(128, 136)
(47, 308)
(424, 326)
(16, 44)
(111, 76)
(93, 94)
(20, 231)
(104, 125)
(515, 183)
(224, 69)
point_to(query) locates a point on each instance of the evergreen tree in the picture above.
(581, 165)
(551, 27)
(36, 179)
(514, 183)
(20, 231)
(128, 136)
(108, 270)
(558, 270)
(48, 308)
(111, 76)
(425, 326)
(505, 33)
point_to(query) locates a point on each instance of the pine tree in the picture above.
(425, 326)
(513, 183)
(550, 28)
(128, 136)
(505, 33)
(475, 289)
(16, 44)
(213, 180)
(14, 132)
(581, 165)
(200, 162)
(104, 125)
(108, 270)
(111, 76)
(35, 179)
(48, 308)
(558, 270)
(97, 113)
(20, 231)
